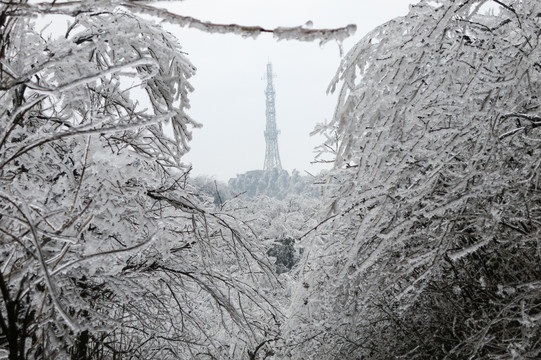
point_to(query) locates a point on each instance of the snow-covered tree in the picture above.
(105, 250)
(278, 225)
(431, 247)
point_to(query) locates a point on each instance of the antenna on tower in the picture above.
(272, 155)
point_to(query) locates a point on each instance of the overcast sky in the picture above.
(229, 95)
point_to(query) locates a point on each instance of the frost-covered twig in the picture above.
(301, 33)
(82, 131)
(104, 253)
(93, 77)
(534, 119)
(23, 210)
(281, 33)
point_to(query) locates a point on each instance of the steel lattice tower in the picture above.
(272, 155)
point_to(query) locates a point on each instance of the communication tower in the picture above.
(272, 155)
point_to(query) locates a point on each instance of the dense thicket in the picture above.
(105, 251)
(278, 213)
(431, 249)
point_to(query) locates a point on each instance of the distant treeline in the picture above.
(275, 183)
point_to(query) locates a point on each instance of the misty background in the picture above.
(229, 84)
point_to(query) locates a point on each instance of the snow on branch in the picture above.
(302, 33)
(455, 255)
(93, 77)
(39, 140)
(535, 121)
(137, 246)
(281, 33)
(23, 209)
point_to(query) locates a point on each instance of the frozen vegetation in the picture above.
(423, 242)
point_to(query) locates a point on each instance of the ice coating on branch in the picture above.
(301, 33)
(304, 33)
(98, 220)
(456, 255)
(435, 140)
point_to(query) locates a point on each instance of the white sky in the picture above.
(229, 88)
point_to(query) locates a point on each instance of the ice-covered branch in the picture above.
(281, 33)
(535, 121)
(93, 77)
(25, 213)
(82, 131)
(104, 253)
(301, 33)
